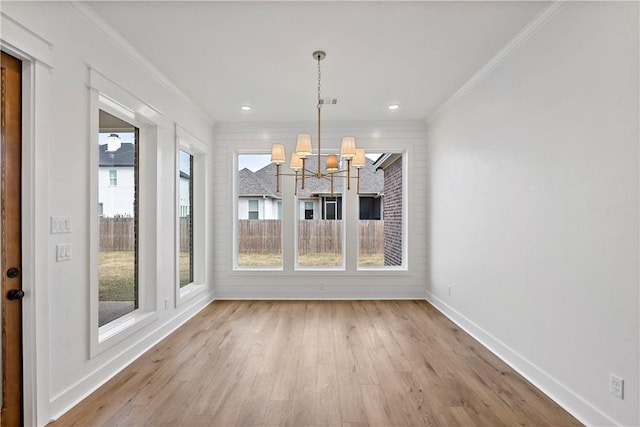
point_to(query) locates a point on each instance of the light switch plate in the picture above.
(60, 224)
(63, 252)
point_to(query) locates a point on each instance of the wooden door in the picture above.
(11, 296)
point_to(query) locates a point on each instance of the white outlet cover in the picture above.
(617, 386)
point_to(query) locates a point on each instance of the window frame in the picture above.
(185, 141)
(235, 218)
(405, 221)
(106, 95)
(341, 210)
(350, 219)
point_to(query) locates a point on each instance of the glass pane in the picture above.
(259, 210)
(320, 225)
(118, 211)
(185, 261)
(381, 216)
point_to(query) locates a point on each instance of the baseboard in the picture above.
(73, 395)
(554, 389)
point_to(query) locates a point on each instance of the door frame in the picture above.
(36, 54)
(12, 384)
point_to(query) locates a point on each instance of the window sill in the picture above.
(119, 329)
(190, 291)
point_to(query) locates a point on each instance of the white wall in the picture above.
(116, 199)
(377, 137)
(185, 202)
(534, 209)
(267, 207)
(65, 371)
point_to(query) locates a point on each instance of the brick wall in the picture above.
(393, 213)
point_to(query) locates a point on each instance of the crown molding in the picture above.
(22, 39)
(523, 35)
(123, 45)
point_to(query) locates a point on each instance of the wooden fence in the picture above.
(258, 236)
(314, 236)
(117, 234)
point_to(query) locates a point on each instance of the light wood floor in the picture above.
(313, 363)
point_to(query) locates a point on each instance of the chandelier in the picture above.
(354, 156)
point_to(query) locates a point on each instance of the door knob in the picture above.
(15, 294)
(12, 272)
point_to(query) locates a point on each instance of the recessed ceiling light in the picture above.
(393, 107)
(246, 107)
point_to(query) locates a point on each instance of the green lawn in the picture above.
(116, 274)
(307, 260)
(116, 269)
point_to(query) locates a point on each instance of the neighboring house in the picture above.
(184, 208)
(391, 164)
(116, 181)
(257, 198)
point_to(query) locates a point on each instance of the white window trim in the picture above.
(108, 96)
(199, 150)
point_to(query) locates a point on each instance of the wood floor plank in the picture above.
(303, 409)
(257, 402)
(318, 363)
(327, 401)
(277, 413)
(377, 407)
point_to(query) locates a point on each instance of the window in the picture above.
(333, 208)
(258, 225)
(320, 237)
(123, 242)
(118, 249)
(190, 181)
(308, 210)
(382, 212)
(253, 209)
(186, 218)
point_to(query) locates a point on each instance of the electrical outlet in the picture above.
(449, 289)
(617, 386)
(166, 303)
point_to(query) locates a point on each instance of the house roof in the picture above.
(123, 156)
(254, 184)
(263, 181)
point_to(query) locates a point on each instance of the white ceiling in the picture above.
(225, 54)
